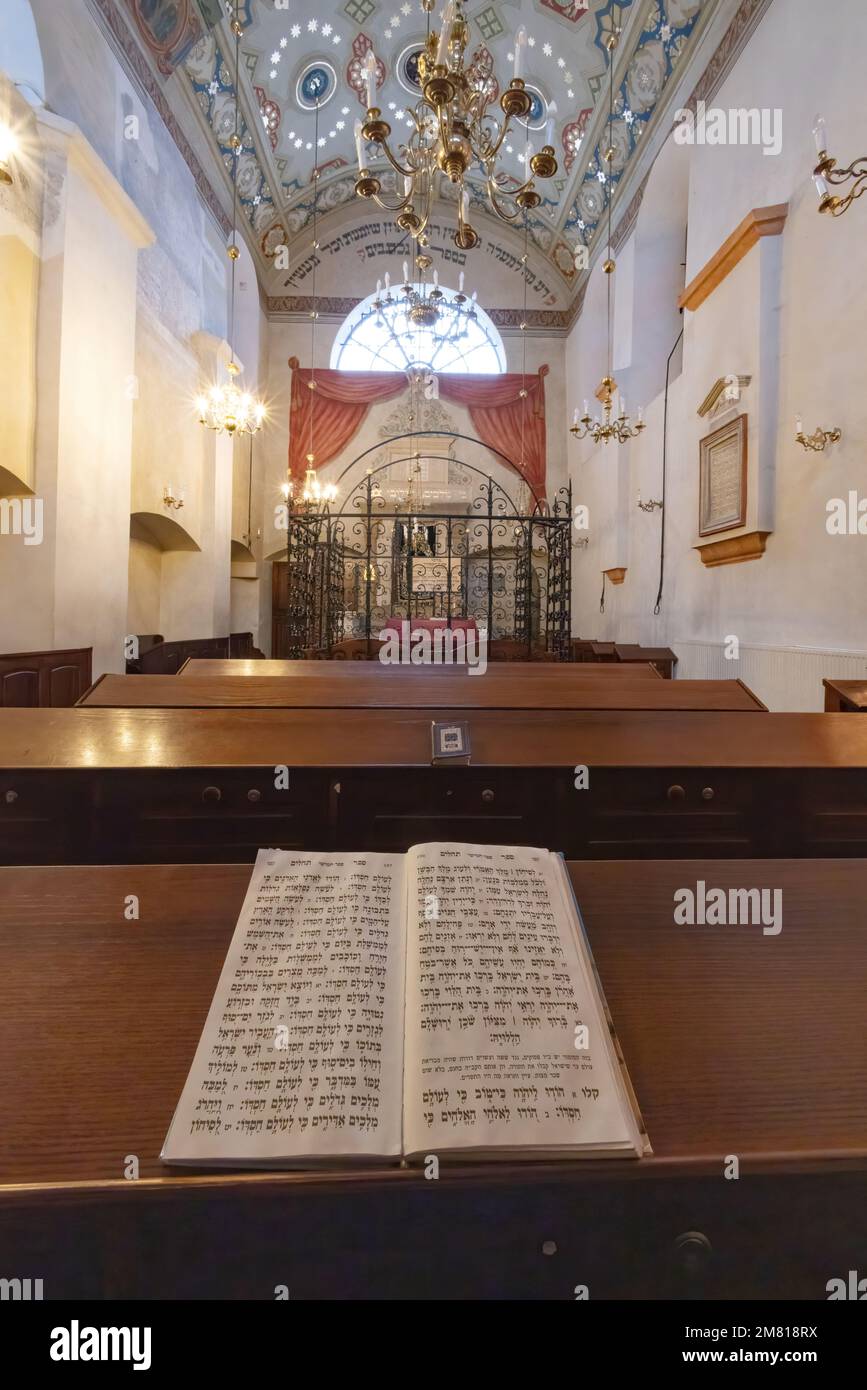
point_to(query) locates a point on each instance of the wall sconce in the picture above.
(826, 172)
(816, 441)
(170, 500)
(8, 148)
(651, 506)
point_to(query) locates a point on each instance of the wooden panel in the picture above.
(463, 804)
(533, 690)
(214, 814)
(50, 679)
(19, 688)
(712, 1022)
(44, 817)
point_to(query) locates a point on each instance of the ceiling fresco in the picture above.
(300, 54)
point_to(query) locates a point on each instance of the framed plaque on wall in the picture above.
(722, 493)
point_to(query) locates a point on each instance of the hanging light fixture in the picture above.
(827, 173)
(612, 425)
(225, 408)
(416, 537)
(453, 126)
(313, 494)
(8, 149)
(444, 314)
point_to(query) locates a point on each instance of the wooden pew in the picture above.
(663, 658)
(101, 1021)
(845, 696)
(198, 785)
(534, 690)
(563, 671)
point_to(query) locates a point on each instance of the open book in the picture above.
(387, 1006)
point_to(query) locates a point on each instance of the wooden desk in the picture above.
(845, 696)
(663, 658)
(533, 689)
(111, 786)
(737, 1044)
(348, 670)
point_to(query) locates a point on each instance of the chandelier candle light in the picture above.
(453, 126)
(826, 172)
(818, 441)
(612, 426)
(227, 409)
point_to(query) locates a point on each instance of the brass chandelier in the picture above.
(453, 128)
(424, 306)
(615, 423)
(226, 409)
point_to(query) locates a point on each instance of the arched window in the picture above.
(381, 335)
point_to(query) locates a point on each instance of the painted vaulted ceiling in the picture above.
(297, 52)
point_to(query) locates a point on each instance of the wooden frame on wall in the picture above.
(722, 499)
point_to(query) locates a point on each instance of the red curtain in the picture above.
(337, 405)
(502, 417)
(505, 418)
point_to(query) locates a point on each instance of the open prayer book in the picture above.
(384, 1006)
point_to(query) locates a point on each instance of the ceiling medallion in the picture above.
(537, 113)
(316, 85)
(407, 68)
(452, 127)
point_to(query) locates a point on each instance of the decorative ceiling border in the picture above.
(720, 64)
(301, 306)
(645, 75)
(728, 50)
(139, 70)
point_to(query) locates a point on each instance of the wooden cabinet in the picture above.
(44, 817)
(638, 813)
(189, 816)
(44, 680)
(477, 805)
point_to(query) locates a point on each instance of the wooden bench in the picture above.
(200, 785)
(101, 1018)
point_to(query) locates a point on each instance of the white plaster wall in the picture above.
(793, 315)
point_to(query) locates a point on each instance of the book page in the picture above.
(506, 1044)
(302, 1052)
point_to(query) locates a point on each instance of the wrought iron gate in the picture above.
(349, 570)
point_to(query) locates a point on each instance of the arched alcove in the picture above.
(151, 538)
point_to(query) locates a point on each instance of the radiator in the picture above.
(784, 678)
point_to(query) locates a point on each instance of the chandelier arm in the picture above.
(857, 170)
(504, 130)
(398, 168)
(389, 207)
(493, 191)
(428, 206)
